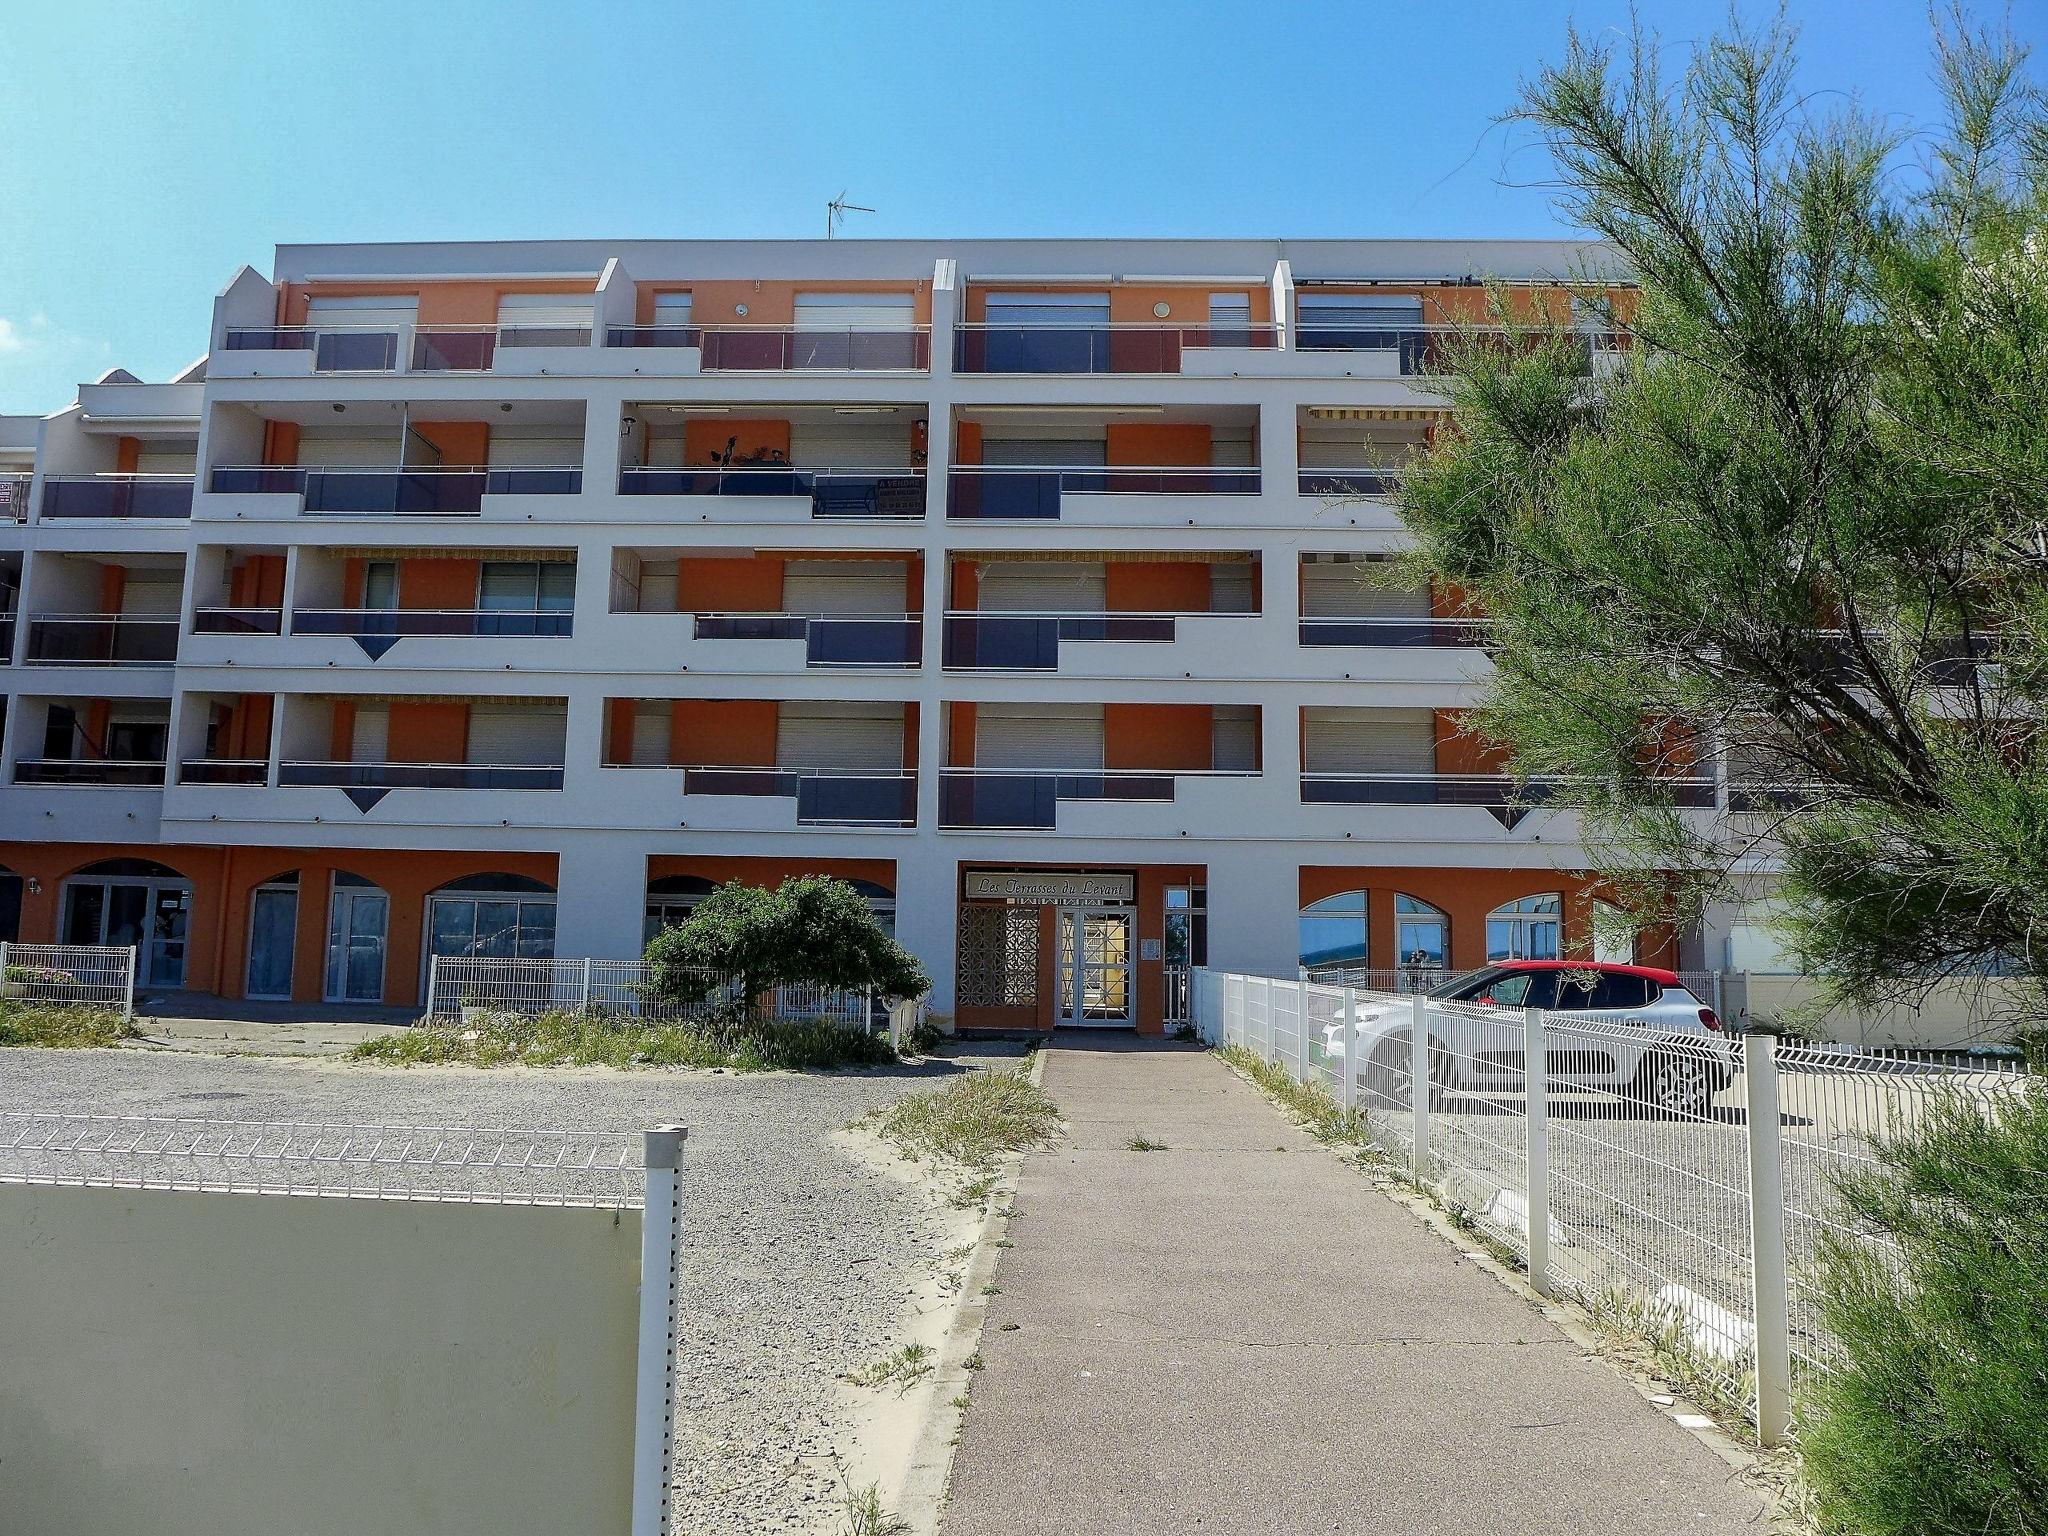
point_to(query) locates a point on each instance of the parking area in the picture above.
(801, 1258)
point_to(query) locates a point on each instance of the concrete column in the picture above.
(1254, 899)
(601, 898)
(927, 915)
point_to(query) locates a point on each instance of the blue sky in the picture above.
(149, 148)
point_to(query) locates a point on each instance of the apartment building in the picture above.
(505, 598)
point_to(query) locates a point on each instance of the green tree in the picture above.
(1797, 524)
(812, 930)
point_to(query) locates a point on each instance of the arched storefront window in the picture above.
(881, 901)
(1528, 929)
(1333, 934)
(670, 900)
(131, 902)
(492, 916)
(1422, 935)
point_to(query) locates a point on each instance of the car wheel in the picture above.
(1675, 1081)
(1386, 1075)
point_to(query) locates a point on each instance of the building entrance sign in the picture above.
(1050, 888)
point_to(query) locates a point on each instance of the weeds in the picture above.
(61, 1026)
(1140, 1142)
(972, 1121)
(865, 1515)
(1320, 1115)
(900, 1370)
(568, 1038)
(1627, 1317)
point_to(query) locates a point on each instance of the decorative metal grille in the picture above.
(998, 957)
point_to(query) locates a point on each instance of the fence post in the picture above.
(585, 1005)
(1347, 1087)
(128, 991)
(433, 985)
(1418, 1085)
(1300, 1031)
(1536, 1103)
(1767, 1240)
(654, 1403)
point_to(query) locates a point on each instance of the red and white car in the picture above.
(1645, 1035)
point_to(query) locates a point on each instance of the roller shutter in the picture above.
(1369, 741)
(510, 452)
(1055, 309)
(152, 593)
(829, 445)
(514, 734)
(1065, 737)
(371, 742)
(390, 313)
(1050, 452)
(1348, 589)
(816, 734)
(844, 586)
(854, 311)
(1234, 738)
(544, 319)
(347, 450)
(167, 461)
(1040, 586)
(651, 719)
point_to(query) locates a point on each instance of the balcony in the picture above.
(102, 640)
(221, 770)
(1347, 482)
(889, 494)
(1419, 633)
(14, 491)
(388, 776)
(1030, 642)
(396, 623)
(117, 772)
(789, 349)
(421, 348)
(834, 640)
(1033, 493)
(844, 797)
(1029, 799)
(396, 492)
(237, 621)
(1507, 799)
(153, 497)
(6, 639)
(1098, 348)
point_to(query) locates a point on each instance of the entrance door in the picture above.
(149, 914)
(273, 931)
(1097, 987)
(356, 921)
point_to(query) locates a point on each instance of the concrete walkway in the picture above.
(1240, 1335)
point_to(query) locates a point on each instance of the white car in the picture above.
(1646, 1036)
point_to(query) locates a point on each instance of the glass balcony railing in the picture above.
(420, 348)
(1398, 633)
(859, 493)
(1031, 493)
(335, 349)
(1106, 348)
(237, 621)
(119, 772)
(475, 348)
(78, 639)
(222, 770)
(14, 491)
(1029, 799)
(824, 796)
(373, 623)
(830, 640)
(150, 496)
(1030, 642)
(6, 638)
(1494, 792)
(653, 336)
(1429, 349)
(1378, 481)
(396, 492)
(420, 775)
(789, 349)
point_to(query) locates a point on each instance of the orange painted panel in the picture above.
(113, 583)
(708, 584)
(440, 303)
(280, 442)
(731, 733)
(618, 731)
(462, 444)
(430, 583)
(1465, 896)
(341, 732)
(1148, 444)
(960, 734)
(1460, 753)
(707, 441)
(1157, 736)
(127, 454)
(436, 732)
(967, 442)
(1165, 586)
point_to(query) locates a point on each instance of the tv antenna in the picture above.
(836, 212)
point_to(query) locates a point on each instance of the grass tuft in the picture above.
(1140, 1142)
(972, 1121)
(1311, 1104)
(865, 1516)
(60, 1027)
(900, 1370)
(571, 1039)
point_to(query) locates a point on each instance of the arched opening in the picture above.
(670, 901)
(273, 937)
(358, 930)
(492, 916)
(1422, 943)
(1528, 929)
(131, 902)
(1333, 935)
(881, 901)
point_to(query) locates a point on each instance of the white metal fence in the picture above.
(1679, 1185)
(69, 975)
(621, 988)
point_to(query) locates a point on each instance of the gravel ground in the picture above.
(799, 1261)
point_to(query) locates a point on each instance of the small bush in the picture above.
(972, 1120)
(1935, 1422)
(61, 1027)
(809, 931)
(567, 1038)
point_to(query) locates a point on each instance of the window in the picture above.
(670, 901)
(527, 586)
(380, 585)
(1527, 929)
(1187, 925)
(493, 916)
(1421, 933)
(1333, 933)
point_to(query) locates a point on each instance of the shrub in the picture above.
(1936, 1421)
(810, 931)
(586, 1039)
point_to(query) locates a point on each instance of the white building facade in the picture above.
(505, 598)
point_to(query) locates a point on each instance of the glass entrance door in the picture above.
(148, 913)
(356, 921)
(273, 930)
(1096, 982)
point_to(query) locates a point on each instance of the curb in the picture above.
(922, 1499)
